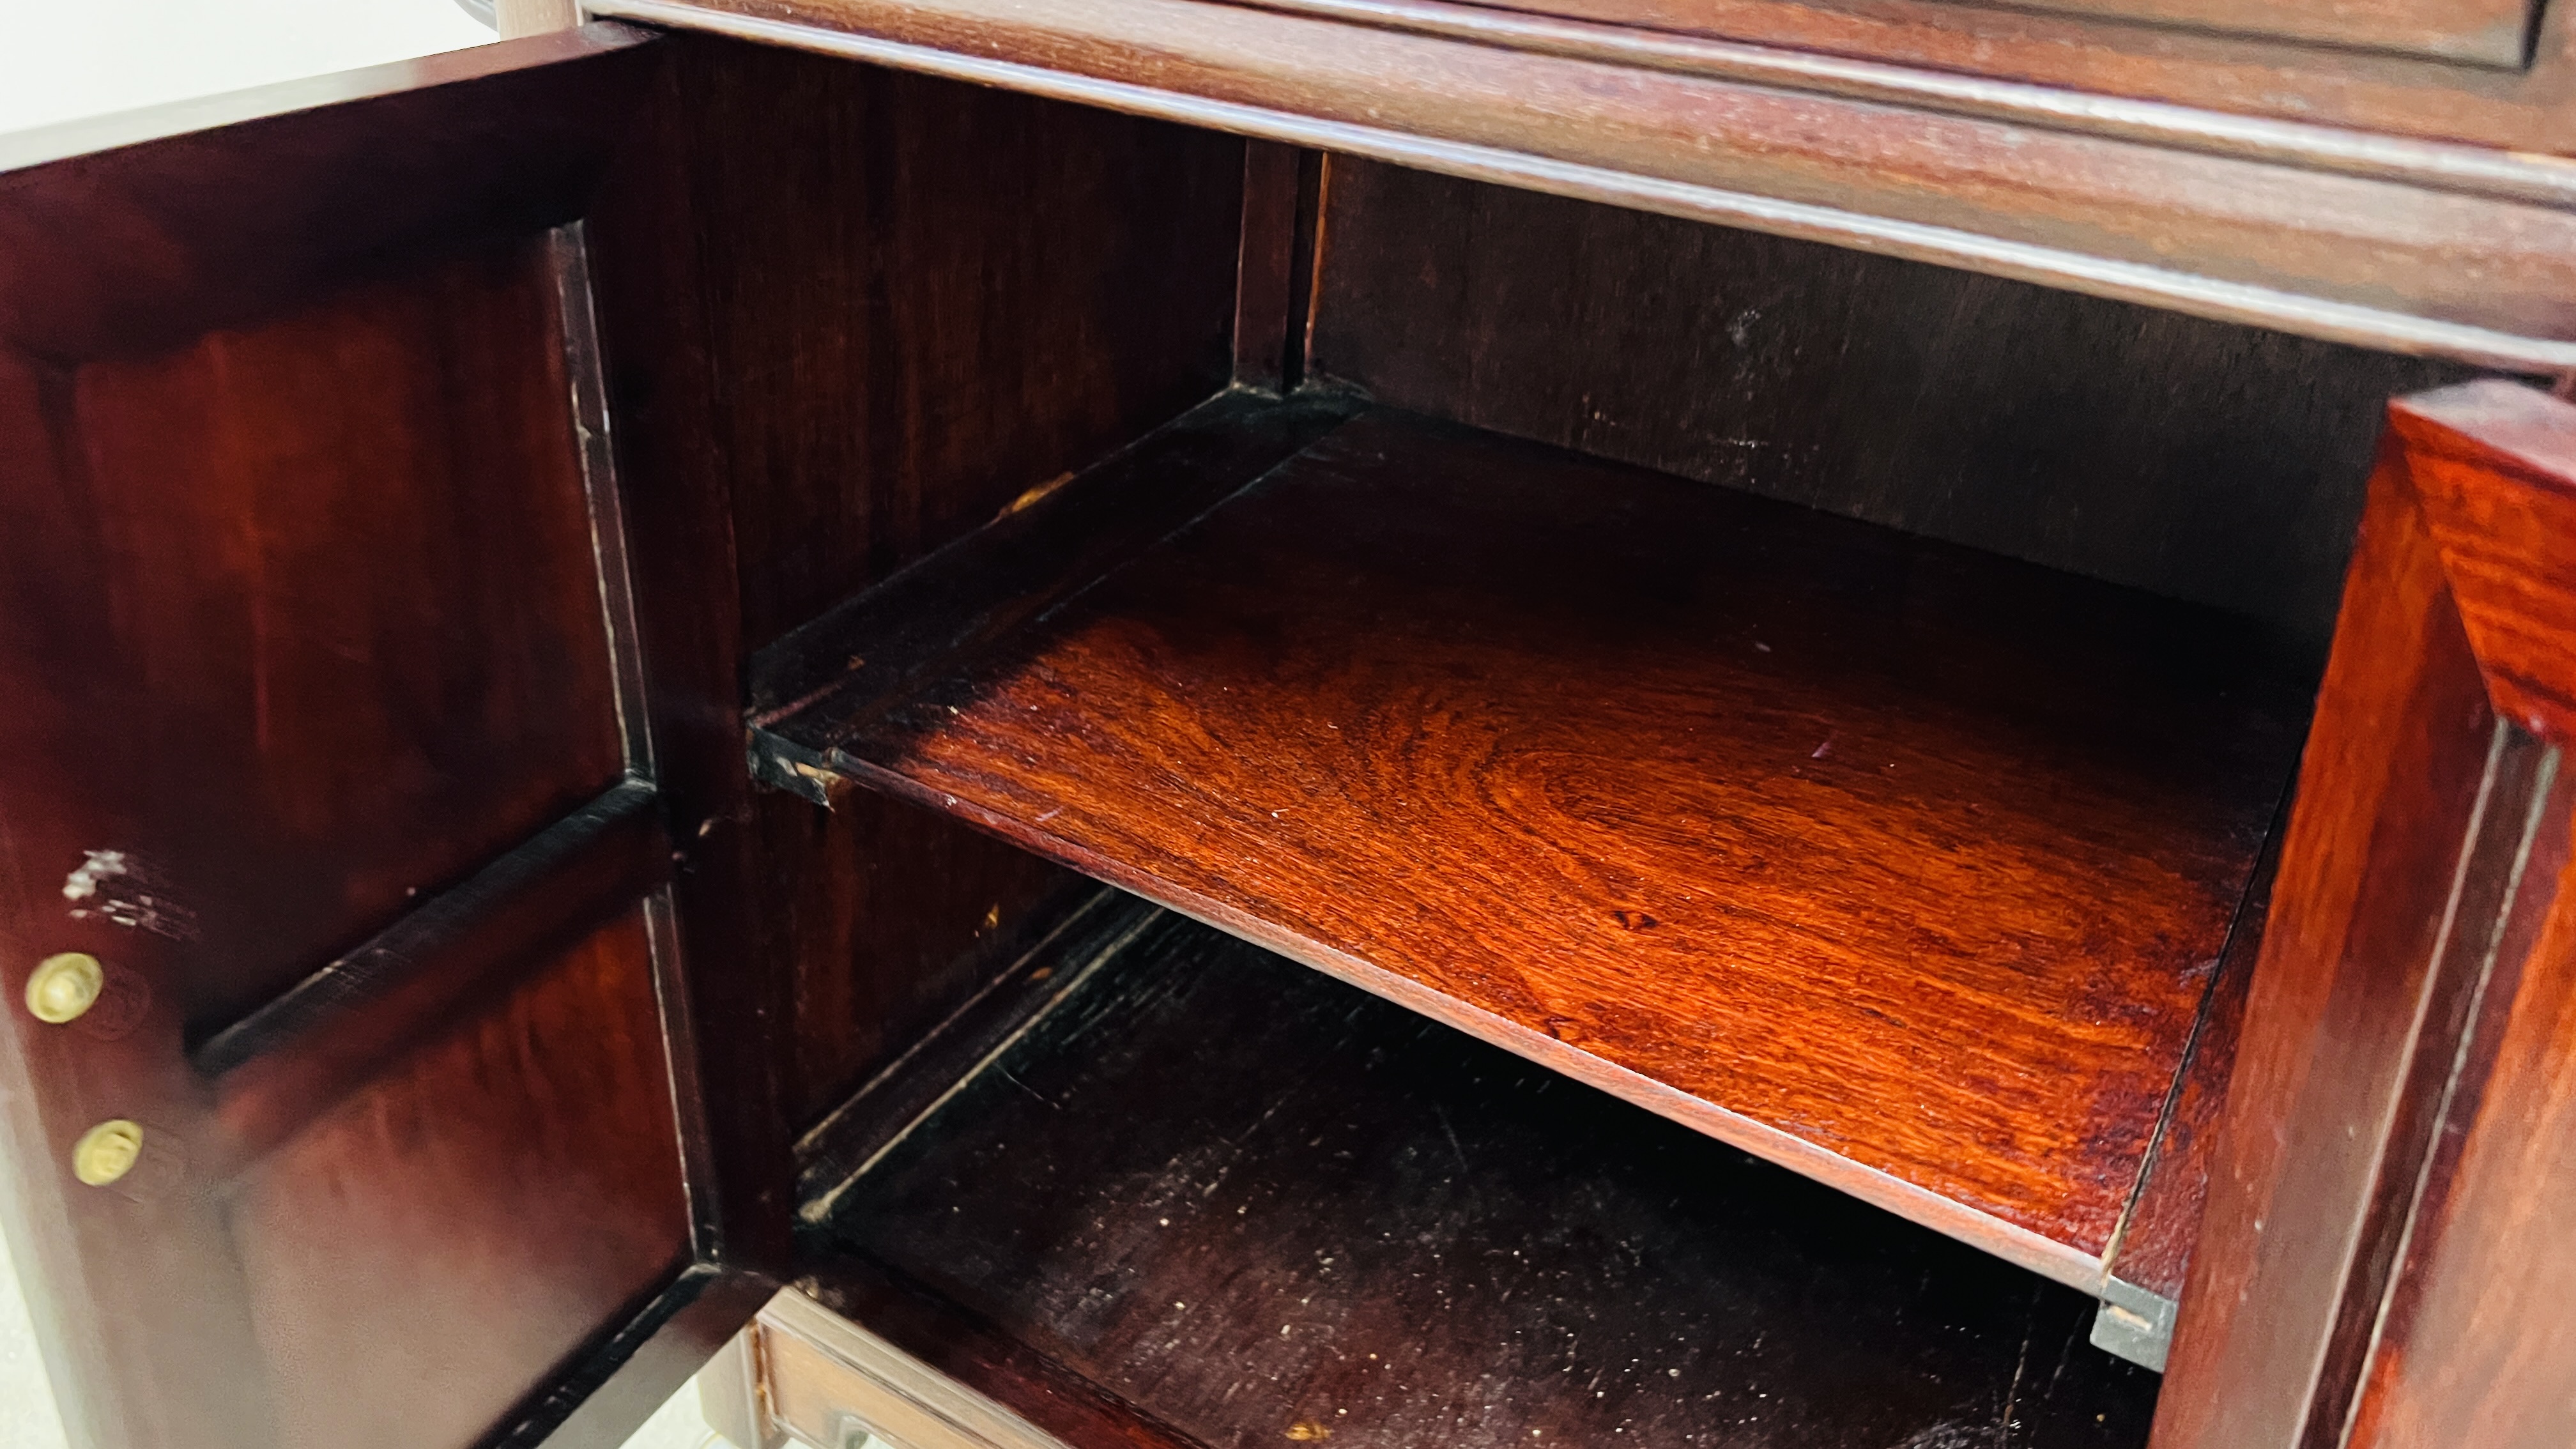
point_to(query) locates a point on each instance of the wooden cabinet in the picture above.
(1386, 723)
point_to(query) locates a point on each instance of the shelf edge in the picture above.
(1660, 141)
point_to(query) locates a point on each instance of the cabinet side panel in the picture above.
(2203, 461)
(926, 298)
(911, 302)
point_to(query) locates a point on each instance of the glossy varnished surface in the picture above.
(2392, 1151)
(830, 353)
(305, 637)
(2200, 461)
(322, 589)
(1251, 1205)
(422, 1257)
(2458, 252)
(1896, 862)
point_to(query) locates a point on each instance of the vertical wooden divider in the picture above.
(2394, 1132)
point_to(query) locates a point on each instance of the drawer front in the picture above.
(830, 1384)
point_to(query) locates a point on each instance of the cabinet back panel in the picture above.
(2200, 460)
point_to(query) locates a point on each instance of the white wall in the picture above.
(61, 59)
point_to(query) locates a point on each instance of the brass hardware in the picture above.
(107, 1151)
(65, 986)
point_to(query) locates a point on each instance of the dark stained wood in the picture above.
(2404, 894)
(1264, 290)
(996, 582)
(296, 1057)
(2012, 61)
(2474, 1345)
(1244, 1199)
(923, 301)
(322, 592)
(2490, 32)
(898, 916)
(133, 235)
(634, 1368)
(306, 638)
(2446, 268)
(648, 244)
(1681, 791)
(2202, 461)
(828, 355)
(2153, 1250)
(2487, 464)
(511, 1184)
(936, 1055)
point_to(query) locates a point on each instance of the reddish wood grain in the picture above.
(2476, 1346)
(2437, 258)
(2154, 1247)
(303, 619)
(2401, 876)
(2184, 457)
(2008, 59)
(2487, 466)
(2395, 1145)
(131, 234)
(1903, 864)
(830, 354)
(1392, 1235)
(422, 1257)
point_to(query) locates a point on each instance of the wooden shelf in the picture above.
(1208, 1198)
(1902, 865)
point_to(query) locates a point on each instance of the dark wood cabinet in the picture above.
(1379, 722)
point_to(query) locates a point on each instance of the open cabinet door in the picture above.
(349, 1092)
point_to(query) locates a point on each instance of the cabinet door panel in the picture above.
(322, 758)
(473, 1215)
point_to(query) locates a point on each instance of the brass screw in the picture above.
(65, 986)
(107, 1151)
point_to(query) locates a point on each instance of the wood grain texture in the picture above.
(896, 364)
(2401, 867)
(294, 1058)
(901, 914)
(2154, 1246)
(512, 1185)
(2487, 465)
(1678, 790)
(322, 592)
(2213, 463)
(1258, 1206)
(2475, 1346)
(828, 355)
(2395, 1138)
(646, 248)
(2493, 33)
(2327, 254)
(1264, 289)
(132, 235)
(2236, 92)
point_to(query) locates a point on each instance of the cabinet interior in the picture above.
(1833, 703)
